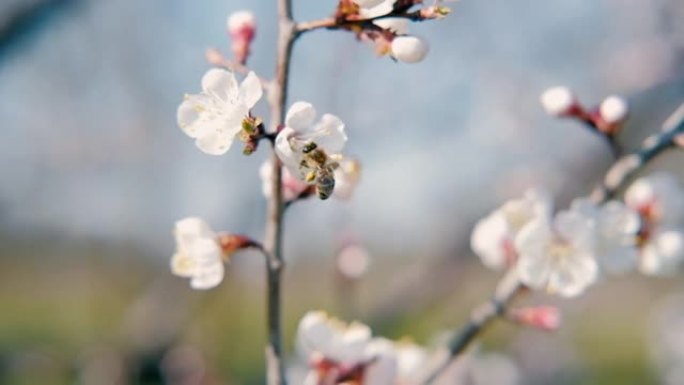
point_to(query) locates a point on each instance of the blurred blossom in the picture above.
(198, 254)
(557, 254)
(353, 261)
(659, 200)
(339, 352)
(616, 227)
(493, 237)
(214, 117)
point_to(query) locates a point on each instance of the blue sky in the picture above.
(91, 147)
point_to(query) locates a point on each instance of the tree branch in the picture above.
(275, 369)
(509, 287)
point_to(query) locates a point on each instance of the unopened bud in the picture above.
(409, 49)
(546, 318)
(558, 101)
(614, 110)
(434, 12)
(230, 243)
(241, 28)
(611, 115)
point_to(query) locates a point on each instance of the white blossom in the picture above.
(397, 25)
(311, 151)
(558, 254)
(353, 261)
(557, 100)
(198, 254)
(493, 237)
(336, 351)
(660, 202)
(614, 109)
(617, 227)
(409, 49)
(214, 117)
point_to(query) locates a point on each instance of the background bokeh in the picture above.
(94, 172)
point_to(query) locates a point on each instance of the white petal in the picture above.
(207, 277)
(488, 240)
(209, 269)
(329, 134)
(182, 265)
(220, 83)
(189, 114)
(577, 229)
(368, 3)
(250, 90)
(534, 265)
(188, 230)
(347, 177)
(314, 333)
(383, 367)
(573, 275)
(290, 158)
(300, 116)
(616, 218)
(215, 143)
(350, 346)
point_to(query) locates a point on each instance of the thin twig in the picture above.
(482, 316)
(617, 177)
(335, 23)
(625, 168)
(275, 368)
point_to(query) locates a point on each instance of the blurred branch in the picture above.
(624, 169)
(509, 287)
(482, 316)
(24, 17)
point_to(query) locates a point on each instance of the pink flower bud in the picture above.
(546, 318)
(241, 28)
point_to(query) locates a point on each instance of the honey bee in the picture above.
(321, 170)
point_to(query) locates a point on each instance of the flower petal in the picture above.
(573, 275)
(182, 265)
(191, 114)
(250, 90)
(488, 239)
(329, 134)
(290, 158)
(220, 83)
(215, 143)
(300, 116)
(314, 333)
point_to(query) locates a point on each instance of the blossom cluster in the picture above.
(341, 353)
(566, 252)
